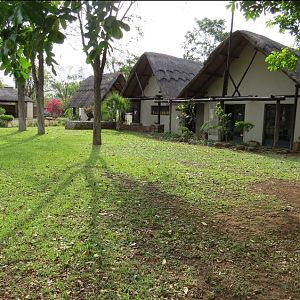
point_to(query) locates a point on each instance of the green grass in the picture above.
(139, 218)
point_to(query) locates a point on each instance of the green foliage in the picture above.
(68, 113)
(187, 116)
(4, 119)
(186, 134)
(7, 118)
(243, 126)
(2, 111)
(101, 28)
(205, 128)
(224, 121)
(284, 59)
(28, 27)
(204, 38)
(114, 105)
(286, 14)
(62, 88)
(123, 65)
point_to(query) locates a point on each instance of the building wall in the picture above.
(258, 82)
(82, 114)
(29, 110)
(152, 89)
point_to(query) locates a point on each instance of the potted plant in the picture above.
(243, 127)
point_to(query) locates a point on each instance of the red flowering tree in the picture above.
(54, 107)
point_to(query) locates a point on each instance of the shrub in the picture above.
(5, 119)
(31, 123)
(243, 126)
(113, 106)
(2, 111)
(54, 107)
(186, 134)
(61, 121)
(69, 114)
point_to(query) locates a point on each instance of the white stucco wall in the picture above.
(29, 110)
(146, 118)
(258, 82)
(82, 115)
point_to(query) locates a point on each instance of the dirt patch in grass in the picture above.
(279, 217)
(286, 191)
(228, 255)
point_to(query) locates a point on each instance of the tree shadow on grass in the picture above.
(14, 143)
(23, 221)
(181, 248)
(10, 134)
(144, 243)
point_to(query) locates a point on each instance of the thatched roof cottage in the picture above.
(157, 75)
(9, 101)
(84, 97)
(254, 93)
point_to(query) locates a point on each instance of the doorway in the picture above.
(237, 112)
(285, 125)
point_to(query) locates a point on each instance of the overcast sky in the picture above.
(164, 24)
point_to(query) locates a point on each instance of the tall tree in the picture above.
(100, 23)
(46, 21)
(27, 31)
(204, 38)
(286, 14)
(62, 87)
(14, 51)
(122, 60)
(123, 64)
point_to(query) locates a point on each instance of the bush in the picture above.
(61, 121)
(54, 107)
(5, 119)
(186, 134)
(2, 111)
(31, 123)
(69, 114)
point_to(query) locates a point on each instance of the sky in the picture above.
(164, 24)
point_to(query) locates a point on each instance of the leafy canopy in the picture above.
(204, 38)
(28, 27)
(114, 105)
(101, 27)
(286, 14)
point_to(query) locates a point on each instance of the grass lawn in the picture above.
(140, 218)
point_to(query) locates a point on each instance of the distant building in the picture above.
(157, 75)
(84, 97)
(9, 101)
(250, 78)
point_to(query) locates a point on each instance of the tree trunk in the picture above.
(21, 106)
(97, 102)
(39, 88)
(40, 95)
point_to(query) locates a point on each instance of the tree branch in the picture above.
(34, 75)
(131, 3)
(82, 33)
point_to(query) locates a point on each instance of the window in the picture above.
(164, 110)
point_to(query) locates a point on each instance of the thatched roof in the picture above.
(9, 94)
(215, 65)
(84, 96)
(172, 74)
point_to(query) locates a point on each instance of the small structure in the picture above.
(84, 97)
(9, 101)
(157, 76)
(251, 94)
